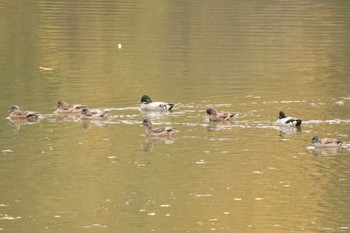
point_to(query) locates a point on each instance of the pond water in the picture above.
(252, 57)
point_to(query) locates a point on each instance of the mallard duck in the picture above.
(158, 132)
(63, 107)
(17, 114)
(285, 121)
(318, 142)
(97, 114)
(219, 116)
(148, 105)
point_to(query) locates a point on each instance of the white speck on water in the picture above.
(227, 212)
(237, 199)
(120, 46)
(203, 195)
(213, 219)
(7, 151)
(151, 214)
(201, 162)
(95, 225)
(165, 205)
(257, 172)
(340, 103)
(259, 198)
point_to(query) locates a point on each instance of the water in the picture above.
(255, 58)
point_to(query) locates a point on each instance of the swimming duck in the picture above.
(17, 114)
(63, 107)
(158, 132)
(219, 116)
(98, 114)
(318, 142)
(285, 121)
(148, 105)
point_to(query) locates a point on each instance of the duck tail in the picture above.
(340, 142)
(298, 122)
(232, 114)
(170, 106)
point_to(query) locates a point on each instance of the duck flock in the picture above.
(147, 105)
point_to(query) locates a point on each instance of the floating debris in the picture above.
(42, 68)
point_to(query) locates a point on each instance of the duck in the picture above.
(97, 114)
(158, 132)
(148, 105)
(318, 142)
(17, 114)
(219, 116)
(64, 108)
(287, 121)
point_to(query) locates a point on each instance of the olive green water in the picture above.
(252, 57)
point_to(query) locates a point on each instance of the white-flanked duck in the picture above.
(148, 105)
(283, 120)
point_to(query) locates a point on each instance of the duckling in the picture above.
(318, 142)
(148, 105)
(219, 116)
(17, 114)
(98, 114)
(63, 107)
(158, 132)
(287, 121)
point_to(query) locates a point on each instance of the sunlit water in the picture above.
(61, 174)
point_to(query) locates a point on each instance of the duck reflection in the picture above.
(283, 130)
(150, 142)
(87, 124)
(324, 151)
(16, 124)
(219, 125)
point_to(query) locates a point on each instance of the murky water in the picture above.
(252, 57)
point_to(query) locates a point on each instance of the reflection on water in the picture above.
(251, 57)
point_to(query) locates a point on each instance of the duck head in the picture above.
(315, 139)
(282, 115)
(211, 111)
(14, 108)
(147, 123)
(146, 99)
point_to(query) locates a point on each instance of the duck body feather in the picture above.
(158, 132)
(17, 114)
(287, 121)
(318, 142)
(148, 105)
(97, 114)
(219, 116)
(64, 108)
